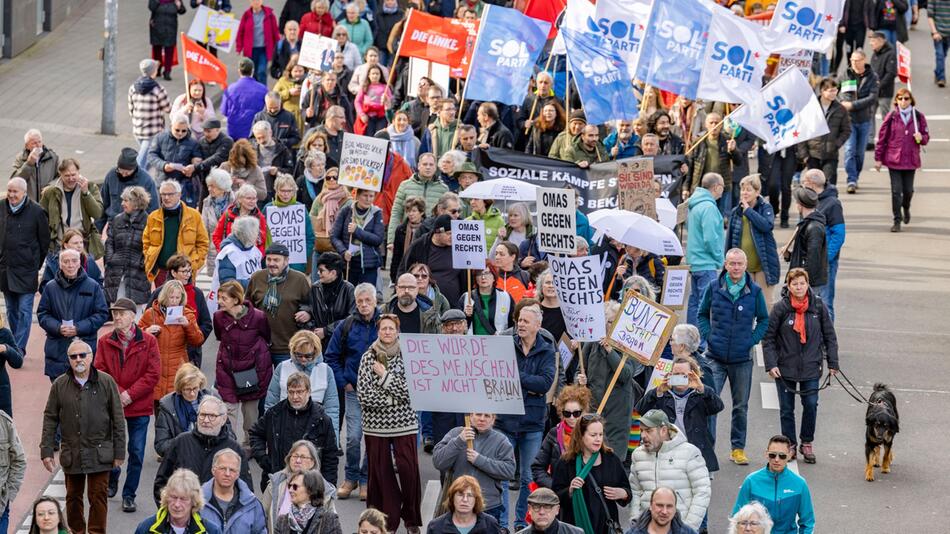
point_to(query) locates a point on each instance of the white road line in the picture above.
(428, 500)
(938, 118)
(793, 465)
(759, 358)
(769, 395)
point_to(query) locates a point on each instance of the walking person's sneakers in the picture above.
(808, 454)
(344, 491)
(128, 505)
(896, 227)
(362, 492)
(852, 188)
(738, 457)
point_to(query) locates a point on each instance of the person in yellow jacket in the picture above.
(174, 228)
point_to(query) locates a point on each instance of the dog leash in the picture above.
(853, 392)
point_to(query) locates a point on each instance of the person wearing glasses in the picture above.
(173, 155)
(571, 404)
(174, 228)
(464, 506)
(417, 314)
(784, 494)
(48, 517)
(488, 309)
(177, 412)
(903, 131)
(307, 513)
(752, 518)
(306, 357)
(390, 428)
(283, 294)
(545, 508)
(434, 249)
(85, 405)
(230, 504)
(195, 450)
(303, 456)
(179, 508)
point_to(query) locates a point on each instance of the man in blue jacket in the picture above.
(705, 242)
(783, 493)
(351, 338)
(535, 357)
(830, 206)
(242, 100)
(734, 317)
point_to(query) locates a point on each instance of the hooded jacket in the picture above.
(830, 207)
(537, 372)
(195, 451)
(173, 343)
(245, 517)
(80, 300)
(785, 495)
(782, 346)
(706, 238)
(492, 468)
(135, 369)
(810, 250)
(148, 104)
(280, 427)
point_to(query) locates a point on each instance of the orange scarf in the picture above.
(800, 306)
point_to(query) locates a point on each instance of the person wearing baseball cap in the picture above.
(810, 248)
(665, 458)
(563, 147)
(126, 173)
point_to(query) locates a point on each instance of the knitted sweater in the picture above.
(385, 399)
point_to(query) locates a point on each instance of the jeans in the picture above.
(854, 150)
(829, 288)
(940, 58)
(354, 471)
(902, 190)
(356, 275)
(278, 359)
(142, 159)
(137, 432)
(425, 425)
(496, 512)
(786, 403)
(740, 383)
(20, 317)
(5, 520)
(725, 204)
(259, 56)
(527, 444)
(699, 281)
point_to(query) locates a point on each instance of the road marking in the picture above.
(769, 395)
(938, 118)
(433, 487)
(55, 489)
(793, 465)
(759, 358)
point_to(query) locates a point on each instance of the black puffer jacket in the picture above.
(272, 436)
(124, 257)
(24, 240)
(195, 451)
(782, 346)
(327, 314)
(548, 455)
(810, 250)
(163, 24)
(827, 146)
(884, 64)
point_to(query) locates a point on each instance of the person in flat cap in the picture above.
(665, 458)
(215, 147)
(283, 294)
(440, 423)
(810, 248)
(126, 173)
(563, 146)
(130, 355)
(545, 507)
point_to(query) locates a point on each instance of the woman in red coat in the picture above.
(318, 20)
(257, 37)
(902, 133)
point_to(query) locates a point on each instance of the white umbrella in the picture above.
(666, 211)
(636, 230)
(501, 189)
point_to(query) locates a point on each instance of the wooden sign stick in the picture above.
(613, 382)
(468, 424)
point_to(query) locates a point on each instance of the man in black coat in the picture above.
(195, 450)
(884, 64)
(331, 298)
(294, 418)
(124, 175)
(435, 250)
(24, 240)
(491, 131)
(810, 249)
(283, 125)
(859, 97)
(215, 147)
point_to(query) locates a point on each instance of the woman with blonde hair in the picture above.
(371, 521)
(331, 199)
(466, 510)
(175, 333)
(289, 87)
(180, 507)
(302, 456)
(285, 195)
(242, 165)
(306, 356)
(177, 412)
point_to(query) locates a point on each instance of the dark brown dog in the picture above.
(882, 424)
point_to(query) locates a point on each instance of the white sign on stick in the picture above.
(316, 52)
(363, 161)
(579, 285)
(642, 328)
(468, 245)
(287, 225)
(675, 284)
(557, 220)
(462, 374)
(214, 28)
(419, 68)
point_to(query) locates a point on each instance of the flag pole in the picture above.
(184, 65)
(471, 65)
(614, 277)
(392, 71)
(567, 89)
(534, 105)
(709, 131)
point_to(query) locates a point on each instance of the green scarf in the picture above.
(578, 503)
(735, 288)
(271, 300)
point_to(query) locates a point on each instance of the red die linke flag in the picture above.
(434, 39)
(201, 64)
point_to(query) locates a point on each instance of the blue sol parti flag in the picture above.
(805, 24)
(672, 52)
(601, 78)
(506, 50)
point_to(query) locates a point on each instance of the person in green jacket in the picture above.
(360, 32)
(285, 194)
(73, 194)
(783, 493)
(563, 144)
(587, 148)
(423, 184)
(482, 210)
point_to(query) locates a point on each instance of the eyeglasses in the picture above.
(301, 457)
(779, 455)
(421, 276)
(78, 355)
(748, 523)
(454, 212)
(208, 416)
(568, 413)
(405, 288)
(305, 355)
(541, 507)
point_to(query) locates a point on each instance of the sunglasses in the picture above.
(78, 355)
(332, 177)
(294, 487)
(780, 455)
(304, 355)
(568, 413)
(903, 98)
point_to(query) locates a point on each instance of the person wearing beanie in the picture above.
(563, 147)
(126, 173)
(242, 100)
(148, 105)
(809, 249)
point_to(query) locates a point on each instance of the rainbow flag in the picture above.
(633, 441)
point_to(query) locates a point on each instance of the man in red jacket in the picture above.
(130, 355)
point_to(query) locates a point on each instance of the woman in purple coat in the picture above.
(902, 133)
(242, 332)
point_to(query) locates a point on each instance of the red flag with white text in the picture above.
(903, 63)
(198, 62)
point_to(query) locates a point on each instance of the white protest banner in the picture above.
(675, 285)
(557, 220)
(462, 374)
(419, 68)
(579, 285)
(468, 245)
(316, 52)
(362, 161)
(662, 368)
(287, 225)
(801, 60)
(564, 350)
(642, 328)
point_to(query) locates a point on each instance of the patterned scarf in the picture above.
(271, 300)
(800, 306)
(300, 516)
(563, 436)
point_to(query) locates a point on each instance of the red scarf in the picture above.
(800, 306)
(563, 436)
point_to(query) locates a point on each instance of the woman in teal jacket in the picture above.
(285, 194)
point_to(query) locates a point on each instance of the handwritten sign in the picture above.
(661, 370)
(557, 220)
(579, 285)
(362, 161)
(675, 286)
(316, 52)
(468, 245)
(642, 328)
(801, 60)
(462, 374)
(636, 191)
(215, 28)
(287, 225)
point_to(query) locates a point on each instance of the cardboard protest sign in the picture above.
(362, 161)
(564, 350)
(316, 52)
(468, 245)
(675, 287)
(287, 225)
(636, 191)
(661, 370)
(420, 68)
(215, 28)
(557, 220)
(801, 60)
(462, 374)
(642, 328)
(580, 289)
